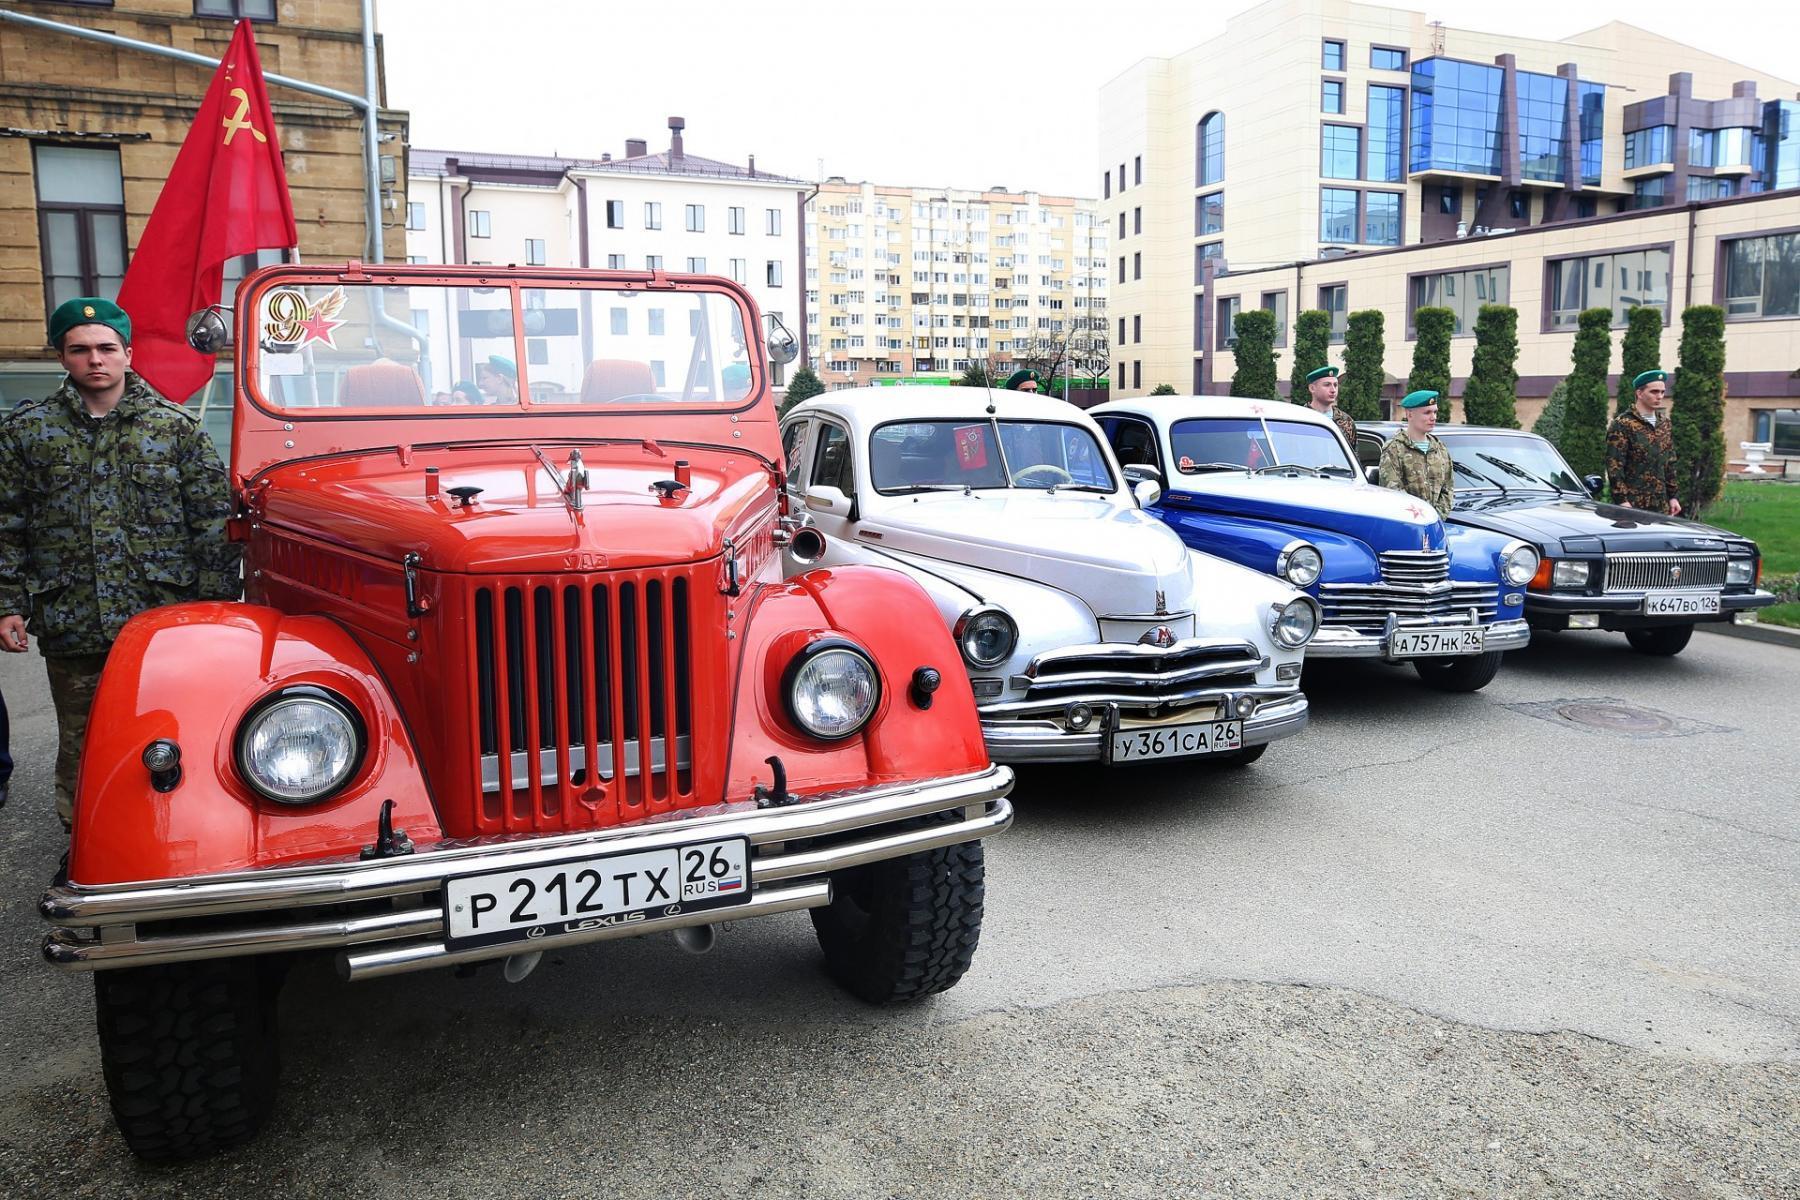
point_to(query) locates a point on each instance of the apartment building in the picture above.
(668, 211)
(89, 131)
(1317, 130)
(916, 285)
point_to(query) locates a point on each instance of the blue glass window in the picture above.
(1340, 151)
(1705, 187)
(1385, 131)
(1337, 215)
(1651, 192)
(1543, 127)
(1332, 57)
(1381, 218)
(1650, 147)
(1383, 59)
(1455, 117)
(1592, 97)
(1776, 155)
(1719, 147)
(1331, 96)
(1209, 214)
(1210, 149)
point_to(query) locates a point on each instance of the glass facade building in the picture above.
(1776, 155)
(1650, 147)
(1340, 152)
(1543, 125)
(1386, 128)
(1592, 98)
(1337, 215)
(1456, 117)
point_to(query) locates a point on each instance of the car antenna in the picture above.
(987, 383)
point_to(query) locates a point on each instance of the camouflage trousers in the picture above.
(73, 679)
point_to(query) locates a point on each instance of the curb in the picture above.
(1775, 635)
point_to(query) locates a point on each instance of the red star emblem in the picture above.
(1257, 409)
(320, 320)
(1415, 510)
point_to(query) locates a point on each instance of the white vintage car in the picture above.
(1089, 632)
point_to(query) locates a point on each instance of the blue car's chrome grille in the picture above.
(1365, 606)
(1414, 566)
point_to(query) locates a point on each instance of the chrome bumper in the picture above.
(397, 919)
(1335, 641)
(1020, 741)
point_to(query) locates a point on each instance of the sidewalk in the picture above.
(1775, 635)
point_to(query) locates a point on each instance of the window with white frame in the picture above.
(696, 218)
(652, 214)
(481, 223)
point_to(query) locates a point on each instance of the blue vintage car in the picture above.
(1272, 486)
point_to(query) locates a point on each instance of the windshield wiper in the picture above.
(1079, 487)
(1474, 474)
(1329, 469)
(1313, 471)
(1521, 472)
(1196, 468)
(910, 488)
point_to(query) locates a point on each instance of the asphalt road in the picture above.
(1436, 946)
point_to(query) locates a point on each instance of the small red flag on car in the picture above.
(226, 195)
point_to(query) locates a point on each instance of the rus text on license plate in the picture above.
(614, 889)
(1177, 741)
(1682, 604)
(1424, 643)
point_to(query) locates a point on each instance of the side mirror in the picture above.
(1147, 491)
(827, 499)
(1594, 484)
(1372, 474)
(208, 331)
(1138, 472)
(783, 346)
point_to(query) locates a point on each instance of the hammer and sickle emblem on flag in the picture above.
(237, 120)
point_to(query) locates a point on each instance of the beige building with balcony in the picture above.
(1321, 140)
(915, 285)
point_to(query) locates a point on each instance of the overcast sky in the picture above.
(928, 93)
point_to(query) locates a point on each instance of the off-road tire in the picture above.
(189, 1052)
(904, 928)
(1664, 641)
(1241, 758)
(1466, 673)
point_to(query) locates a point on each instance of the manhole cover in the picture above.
(1610, 715)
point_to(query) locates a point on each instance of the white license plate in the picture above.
(1682, 604)
(1177, 741)
(1426, 643)
(614, 889)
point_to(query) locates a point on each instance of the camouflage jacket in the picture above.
(103, 517)
(1346, 426)
(1426, 475)
(1640, 461)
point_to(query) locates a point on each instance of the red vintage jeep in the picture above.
(516, 670)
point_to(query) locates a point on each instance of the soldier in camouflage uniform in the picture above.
(1322, 387)
(1414, 460)
(113, 501)
(1640, 449)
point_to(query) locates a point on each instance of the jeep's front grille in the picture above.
(1650, 572)
(583, 696)
(1365, 606)
(1415, 566)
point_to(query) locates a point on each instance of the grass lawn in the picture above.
(1770, 513)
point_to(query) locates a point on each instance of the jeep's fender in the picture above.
(892, 618)
(190, 673)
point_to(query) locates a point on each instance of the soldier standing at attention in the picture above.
(1640, 449)
(113, 501)
(1415, 461)
(1322, 385)
(1022, 380)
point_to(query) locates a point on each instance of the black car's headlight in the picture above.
(1740, 572)
(1518, 563)
(1570, 573)
(1300, 563)
(300, 745)
(986, 636)
(831, 689)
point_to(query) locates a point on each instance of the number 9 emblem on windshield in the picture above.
(291, 321)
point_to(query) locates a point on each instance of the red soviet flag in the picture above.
(227, 195)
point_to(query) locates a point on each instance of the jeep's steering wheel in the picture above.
(1050, 471)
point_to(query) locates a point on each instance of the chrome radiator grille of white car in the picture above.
(1142, 671)
(1650, 572)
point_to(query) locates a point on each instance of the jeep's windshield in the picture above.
(1255, 443)
(907, 456)
(340, 345)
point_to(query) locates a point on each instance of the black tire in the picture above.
(1664, 641)
(1241, 758)
(904, 928)
(189, 1052)
(1467, 673)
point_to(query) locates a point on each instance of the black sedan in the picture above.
(1604, 566)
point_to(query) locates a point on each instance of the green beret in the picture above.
(1321, 373)
(1419, 399)
(1020, 376)
(504, 365)
(88, 310)
(1649, 377)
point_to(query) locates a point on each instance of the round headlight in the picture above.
(1300, 564)
(1519, 564)
(1296, 622)
(986, 636)
(832, 690)
(300, 746)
